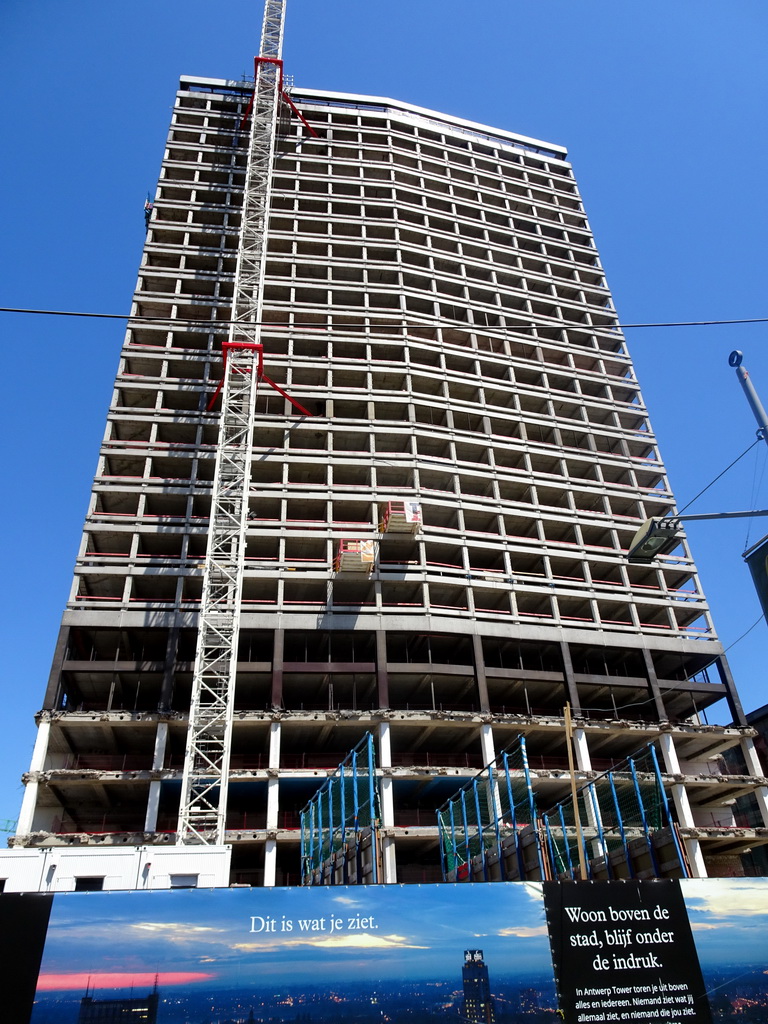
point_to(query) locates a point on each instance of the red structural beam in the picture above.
(285, 394)
(259, 350)
(286, 98)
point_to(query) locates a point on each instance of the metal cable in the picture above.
(680, 511)
(454, 324)
(738, 638)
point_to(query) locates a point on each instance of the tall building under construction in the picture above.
(450, 457)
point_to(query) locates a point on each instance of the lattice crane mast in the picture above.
(203, 805)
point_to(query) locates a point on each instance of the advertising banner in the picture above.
(625, 952)
(691, 952)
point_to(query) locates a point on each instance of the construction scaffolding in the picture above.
(626, 826)
(340, 824)
(491, 830)
(492, 814)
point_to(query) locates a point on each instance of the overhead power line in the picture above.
(732, 464)
(268, 323)
(745, 633)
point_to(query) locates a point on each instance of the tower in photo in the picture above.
(477, 1005)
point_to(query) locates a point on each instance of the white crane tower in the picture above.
(203, 805)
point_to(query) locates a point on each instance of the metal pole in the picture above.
(667, 812)
(331, 826)
(599, 825)
(371, 780)
(566, 844)
(320, 834)
(343, 810)
(734, 360)
(441, 842)
(372, 816)
(574, 794)
(478, 814)
(620, 824)
(303, 821)
(751, 514)
(355, 799)
(467, 849)
(532, 812)
(554, 856)
(493, 790)
(454, 847)
(644, 818)
(513, 818)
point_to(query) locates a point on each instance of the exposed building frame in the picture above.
(433, 296)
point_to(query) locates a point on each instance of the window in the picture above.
(184, 881)
(89, 883)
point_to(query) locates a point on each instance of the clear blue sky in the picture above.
(662, 108)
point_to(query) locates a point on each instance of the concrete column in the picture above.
(277, 668)
(382, 675)
(389, 863)
(572, 693)
(755, 768)
(486, 744)
(270, 862)
(595, 821)
(653, 686)
(273, 802)
(40, 751)
(27, 812)
(52, 695)
(158, 759)
(584, 764)
(682, 806)
(583, 760)
(692, 846)
(29, 801)
(273, 798)
(734, 703)
(482, 685)
(669, 753)
(751, 757)
(171, 650)
(385, 744)
(274, 745)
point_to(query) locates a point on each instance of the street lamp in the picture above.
(659, 535)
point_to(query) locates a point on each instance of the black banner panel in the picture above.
(23, 929)
(624, 952)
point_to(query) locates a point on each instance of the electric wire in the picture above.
(757, 482)
(746, 632)
(522, 327)
(651, 700)
(455, 324)
(680, 512)
(673, 689)
(752, 500)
